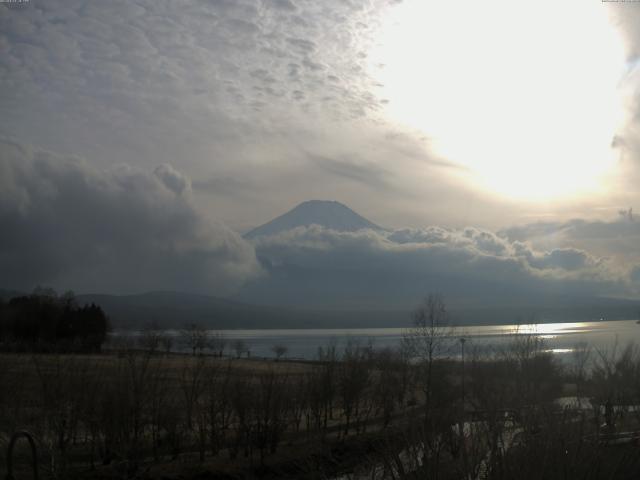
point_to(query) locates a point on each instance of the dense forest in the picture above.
(46, 321)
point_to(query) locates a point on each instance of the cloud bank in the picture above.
(123, 229)
(67, 224)
(471, 266)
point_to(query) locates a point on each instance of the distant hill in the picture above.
(328, 214)
(8, 294)
(175, 310)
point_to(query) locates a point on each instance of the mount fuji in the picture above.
(328, 214)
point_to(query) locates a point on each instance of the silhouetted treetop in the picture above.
(44, 320)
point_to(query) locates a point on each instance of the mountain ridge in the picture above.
(325, 213)
(170, 309)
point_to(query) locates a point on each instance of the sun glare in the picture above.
(526, 97)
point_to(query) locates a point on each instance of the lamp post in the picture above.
(462, 342)
(462, 436)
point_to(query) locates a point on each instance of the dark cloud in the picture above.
(370, 175)
(172, 179)
(470, 266)
(286, 5)
(617, 239)
(311, 65)
(67, 224)
(229, 187)
(563, 258)
(306, 46)
(534, 230)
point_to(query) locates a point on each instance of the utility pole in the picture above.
(462, 417)
(462, 342)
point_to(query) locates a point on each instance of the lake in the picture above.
(559, 338)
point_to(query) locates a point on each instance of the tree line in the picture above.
(46, 321)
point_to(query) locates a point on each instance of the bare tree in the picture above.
(239, 346)
(354, 377)
(268, 415)
(216, 344)
(166, 340)
(329, 359)
(193, 385)
(581, 356)
(63, 383)
(158, 403)
(386, 385)
(218, 409)
(279, 350)
(428, 340)
(150, 338)
(195, 338)
(532, 366)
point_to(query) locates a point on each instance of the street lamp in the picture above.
(462, 342)
(462, 436)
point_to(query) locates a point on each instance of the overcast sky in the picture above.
(152, 132)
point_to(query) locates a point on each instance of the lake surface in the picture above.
(559, 338)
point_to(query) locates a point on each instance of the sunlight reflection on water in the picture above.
(559, 338)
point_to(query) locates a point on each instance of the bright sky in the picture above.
(524, 94)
